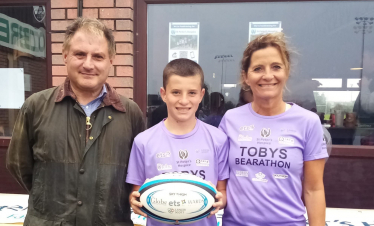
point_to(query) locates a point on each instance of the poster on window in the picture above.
(12, 88)
(266, 27)
(184, 40)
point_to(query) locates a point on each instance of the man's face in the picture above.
(87, 61)
(182, 97)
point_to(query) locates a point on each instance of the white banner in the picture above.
(13, 209)
(12, 88)
(184, 41)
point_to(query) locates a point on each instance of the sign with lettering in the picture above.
(13, 209)
(184, 40)
(20, 36)
(266, 27)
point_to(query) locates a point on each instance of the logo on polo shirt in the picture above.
(247, 128)
(201, 162)
(265, 132)
(161, 167)
(260, 177)
(202, 151)
(244, 138)
(163, 154)
(183, 154)
(239, 173)
(280, 176)
(286, 140)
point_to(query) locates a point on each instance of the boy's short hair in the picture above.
(182, 67)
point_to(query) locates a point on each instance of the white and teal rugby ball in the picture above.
(177, 196)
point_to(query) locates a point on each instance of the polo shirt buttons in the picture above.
(80, 203)
(109, 117)
(81, 171)
(91, 138)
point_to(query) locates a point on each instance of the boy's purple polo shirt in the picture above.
(202, 152)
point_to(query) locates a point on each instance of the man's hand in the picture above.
(135, 205)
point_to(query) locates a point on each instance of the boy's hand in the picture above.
(135, 205)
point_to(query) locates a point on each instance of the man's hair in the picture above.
(92, 26)
(182, 67)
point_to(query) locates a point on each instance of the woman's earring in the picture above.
(247, 89)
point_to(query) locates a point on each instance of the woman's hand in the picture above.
(220, 197)
(218, 205)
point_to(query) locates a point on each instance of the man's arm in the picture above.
(19, 160)
(138, 121)
(314, 192)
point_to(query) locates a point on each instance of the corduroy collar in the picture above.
(111, 98)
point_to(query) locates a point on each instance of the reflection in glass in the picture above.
(23, 46)
(333, 69)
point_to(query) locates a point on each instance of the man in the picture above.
(71, 144)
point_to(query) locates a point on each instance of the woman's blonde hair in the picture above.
(276, 40)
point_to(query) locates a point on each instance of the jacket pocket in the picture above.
(38, 188)
(35, 221)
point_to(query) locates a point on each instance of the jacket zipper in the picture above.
(88, 128)
(89, 125)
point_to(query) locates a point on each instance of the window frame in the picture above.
(4, 141)
(140, 62)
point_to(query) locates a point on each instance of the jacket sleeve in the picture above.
(138, 121)
(19, 159)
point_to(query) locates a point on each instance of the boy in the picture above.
(180, 143)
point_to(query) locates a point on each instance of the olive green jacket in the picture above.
(74, 176)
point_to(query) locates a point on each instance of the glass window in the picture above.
(332, 72)
(23, 68)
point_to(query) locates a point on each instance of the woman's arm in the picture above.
(314, 192)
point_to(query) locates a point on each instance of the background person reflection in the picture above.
(364, 104)
(245, 97)
(217, 109)
(2, 131)
(299, 90)
(364, 107)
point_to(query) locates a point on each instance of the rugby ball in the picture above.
(177, 196)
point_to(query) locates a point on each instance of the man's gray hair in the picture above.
(93, 26)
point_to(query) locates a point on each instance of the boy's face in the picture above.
(182, 96)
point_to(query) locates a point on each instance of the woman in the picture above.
(276, 149)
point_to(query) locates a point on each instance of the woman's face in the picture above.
(267, 74)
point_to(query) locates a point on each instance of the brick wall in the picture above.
(118, 16)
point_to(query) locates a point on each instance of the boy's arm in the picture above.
(135, 205)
